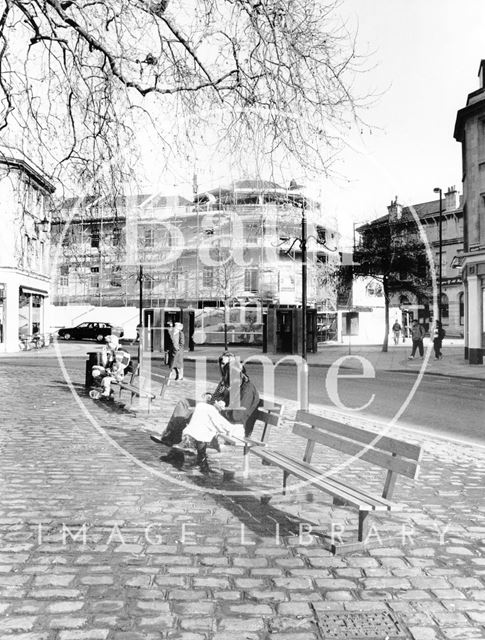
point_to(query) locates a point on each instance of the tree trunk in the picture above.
(386, 315)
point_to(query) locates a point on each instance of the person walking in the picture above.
(396, 330)
(438, 335)
(176, 352)
(417, 335)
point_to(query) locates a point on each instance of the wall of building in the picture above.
(24, 256)
(179, 267)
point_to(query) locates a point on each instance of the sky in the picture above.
(423, 59)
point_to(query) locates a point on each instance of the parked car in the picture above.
(90, 331)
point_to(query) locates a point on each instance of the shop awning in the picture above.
(34, 292)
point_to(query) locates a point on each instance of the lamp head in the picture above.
(437, 190)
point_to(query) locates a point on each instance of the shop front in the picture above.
(23, 316)
(31, 306)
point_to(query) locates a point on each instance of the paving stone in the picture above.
(65, 607)
(17, 623)
(251, 609)
(448, 594)
(67, 623)
(88, 634)
(423, 633)
(240, 624)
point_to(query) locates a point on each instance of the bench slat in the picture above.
(364, 501)
(139, 392)
(405, 467)
(386, 443)
(269, 418)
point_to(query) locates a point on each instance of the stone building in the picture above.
(234, 246)
(470, 132)
(24, 251)
(404, 305)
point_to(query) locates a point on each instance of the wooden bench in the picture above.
(395, 456)
(138, 387)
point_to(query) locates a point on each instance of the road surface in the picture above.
(453, 406)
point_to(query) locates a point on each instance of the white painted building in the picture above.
(24, 250)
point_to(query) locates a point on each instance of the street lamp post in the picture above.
(440, 266)
(303, 281)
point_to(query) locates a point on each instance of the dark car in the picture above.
(90, 331)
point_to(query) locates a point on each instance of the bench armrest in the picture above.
(254, 443)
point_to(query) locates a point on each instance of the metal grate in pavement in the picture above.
(377, 625)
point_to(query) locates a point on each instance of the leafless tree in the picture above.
(78, 78)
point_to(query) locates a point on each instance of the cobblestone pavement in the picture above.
(101, 540)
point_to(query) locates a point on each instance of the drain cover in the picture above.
(377, 625)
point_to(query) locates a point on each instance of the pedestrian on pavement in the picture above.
(176, 352)
(396, 330)
(417, 335)
(438, 335)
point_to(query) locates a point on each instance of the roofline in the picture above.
(27, 167)
(466, 112)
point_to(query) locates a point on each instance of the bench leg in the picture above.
(363, 525)
(285, 478)
(246, 462)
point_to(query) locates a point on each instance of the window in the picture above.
(94, 281)
(94, 269)
(42, 256)
(251, 280)
(66, 238)
(149, 238)
(445, 309)
(28, 252)
(115, 280)
(481, 139)
(95, 238)
(437, 261)
(251, 232)
(64, 275)
(350, 323)
(116, 237)
(462, 308)
(208, 277)
(374, 289)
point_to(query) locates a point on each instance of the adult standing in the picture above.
(438, 335)
(417, 335)
(396, 330)
(176, 352)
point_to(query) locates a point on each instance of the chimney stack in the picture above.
(452, 199)
(395, 210)
(481, 74)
